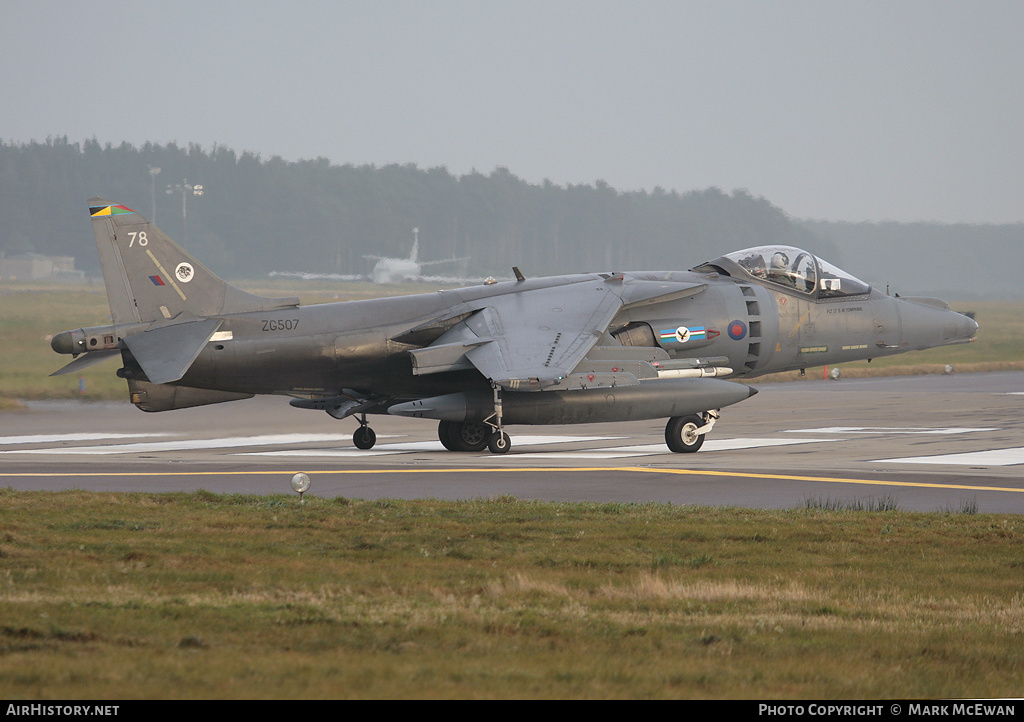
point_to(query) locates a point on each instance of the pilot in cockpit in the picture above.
(779, 270)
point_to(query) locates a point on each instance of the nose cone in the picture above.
(966, 328)
(929, 322)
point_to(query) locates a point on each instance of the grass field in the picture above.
(30, 314)
(130, 596)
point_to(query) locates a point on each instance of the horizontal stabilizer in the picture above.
(166, 353)
(86, 360)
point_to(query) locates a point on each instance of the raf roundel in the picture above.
(737, 330)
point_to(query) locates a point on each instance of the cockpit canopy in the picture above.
(793, 269)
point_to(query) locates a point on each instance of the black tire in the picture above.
(444, 434)
(467, 435)
(679, 434)
(364, 438)
(499, 443)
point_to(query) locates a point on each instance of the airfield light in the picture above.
(153, 173)
(300, 483)
(185, 188)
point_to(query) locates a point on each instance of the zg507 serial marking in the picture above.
(287, 324)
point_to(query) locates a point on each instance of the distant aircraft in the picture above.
(396, 270)
(593, 347)
(391, 270)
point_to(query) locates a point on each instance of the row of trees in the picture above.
(260, 215)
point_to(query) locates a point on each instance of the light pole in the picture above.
(153, 173)
(184, 188)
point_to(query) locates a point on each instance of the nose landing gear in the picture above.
(685, 434)
(499, 443)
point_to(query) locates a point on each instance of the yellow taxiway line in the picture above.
(536, 469)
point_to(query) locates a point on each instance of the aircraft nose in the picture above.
(967, 327)
(928, 322)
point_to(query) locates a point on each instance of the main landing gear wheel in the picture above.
(499, 443)
(364, 438)
(680, 434)
(444, 434)
(463, 435)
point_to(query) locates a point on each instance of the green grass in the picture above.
(126, 596)
(31, 313)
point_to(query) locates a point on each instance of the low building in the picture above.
(37, 267)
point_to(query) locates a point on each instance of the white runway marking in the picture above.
(56, 438)
(995, 457)
(649, 449)
(734, 444)
(415, 446)
(887, 430)
(350, 452)
(189, 444)
(337, 446)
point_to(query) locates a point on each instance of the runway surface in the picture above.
(929, 443)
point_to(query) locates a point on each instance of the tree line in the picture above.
(259, 215)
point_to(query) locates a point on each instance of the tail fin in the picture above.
(150, 278)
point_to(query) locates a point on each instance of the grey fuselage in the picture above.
(583, 348)
(321, 350)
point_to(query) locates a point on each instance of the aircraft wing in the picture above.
(443, 260)
(533, 339)
(318, 276)
(460, 280)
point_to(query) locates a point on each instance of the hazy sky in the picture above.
(844, 110)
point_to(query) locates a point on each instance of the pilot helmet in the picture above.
(780, 261)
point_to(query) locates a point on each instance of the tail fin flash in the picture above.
(150, 278)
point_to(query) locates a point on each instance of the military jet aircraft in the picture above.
(390, 270)
(396, 270)
(592, 347)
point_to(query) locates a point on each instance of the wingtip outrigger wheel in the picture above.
(364, 437)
